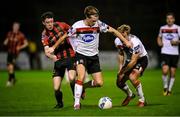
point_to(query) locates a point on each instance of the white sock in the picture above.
(92, 82)
(127, 90)
(171, 83)
(165, 81)
(140, 93)
(77, 93)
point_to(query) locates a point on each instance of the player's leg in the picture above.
(80, 68)
(171, 80)
(58, 93)
(58, 74)
(134, 78)
(71, 77)
(121, 83)
(137, 84)
(10, 67)
(81, 72)
(165, 70)
(174, 62)
(71, 71)
(97, 80)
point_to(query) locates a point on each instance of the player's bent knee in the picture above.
(10, 68)
(165, 70)
(71, 75)
(98, 83)
(119, 84)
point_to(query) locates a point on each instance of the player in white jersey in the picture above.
(168, 40)
(86, 33)
(132, 66)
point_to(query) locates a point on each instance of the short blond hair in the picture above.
(90, 10)
(124, 28)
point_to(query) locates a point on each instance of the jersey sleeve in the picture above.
(118, 42)
(44, 39)
(103, 26)
(72, 32)
(65, 26)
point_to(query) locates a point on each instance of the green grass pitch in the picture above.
(33, 95)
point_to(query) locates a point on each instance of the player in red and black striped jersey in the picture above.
(15, 41)
(63, 55)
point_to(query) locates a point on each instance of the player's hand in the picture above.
(54, 58)
(51, 50)
(18, 48)
(174, 43)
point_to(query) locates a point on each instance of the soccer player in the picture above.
(15, 42)
(132, 67)
(168, 40)
(63, 55)
(86, 32)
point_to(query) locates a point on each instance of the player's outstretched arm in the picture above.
(132, 62)
(58, 42)
(119, 35)
(159, 41)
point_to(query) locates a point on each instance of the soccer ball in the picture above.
(105, 103)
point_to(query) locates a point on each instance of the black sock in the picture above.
(11, 76)
(58, 95)
(72, 84)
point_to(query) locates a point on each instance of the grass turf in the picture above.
(33, 95)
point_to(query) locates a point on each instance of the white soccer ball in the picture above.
(105, 103)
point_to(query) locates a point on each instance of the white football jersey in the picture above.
(86, 37)
(167, 34)
(138, 47)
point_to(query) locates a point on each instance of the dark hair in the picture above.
(170, 13)
(47, 15)
(90, 10)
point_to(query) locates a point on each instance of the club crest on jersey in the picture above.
(88, 38)
(169, 37)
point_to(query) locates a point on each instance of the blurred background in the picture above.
(144, 16)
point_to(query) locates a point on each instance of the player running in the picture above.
(63, 55)
(132, 67)
(86, 32)
(15, 42)
(168, 40)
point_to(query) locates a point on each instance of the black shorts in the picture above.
(91, 63)
(170, 60)
(61, 65)
(140, 65)
(11, 58)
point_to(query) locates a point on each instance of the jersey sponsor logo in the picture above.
(88, 38)
(169, 37)
(137, 47)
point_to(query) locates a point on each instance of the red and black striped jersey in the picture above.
(49, 38)
(15, 40)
